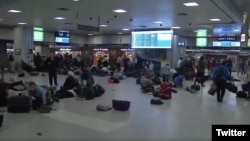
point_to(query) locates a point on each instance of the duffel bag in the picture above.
(232, 87)
(196, 87)
(18, 105)
(121, 105)
(89, 93)
(241, 94)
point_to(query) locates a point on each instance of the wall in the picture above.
(109, 39)
(8, 34)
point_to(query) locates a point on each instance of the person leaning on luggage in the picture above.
(37, 95)
(220, 76)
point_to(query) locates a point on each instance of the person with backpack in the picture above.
(220, 76)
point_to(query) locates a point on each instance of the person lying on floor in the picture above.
(37, 95)
(178, 81)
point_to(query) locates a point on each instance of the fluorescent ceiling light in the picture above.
(119, 11)
(22, 23)
(59, 18)
(158, 22)
(191, 4)
(176, 27)
(90, 34)
(215, 20)
(103, 25)
(75, 0)
(14, 11)
(38, 29)
(125, 29)
(120, 33)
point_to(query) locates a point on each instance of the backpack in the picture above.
(220, 72)
(99, 90)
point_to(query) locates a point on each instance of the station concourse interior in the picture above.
(126, 38)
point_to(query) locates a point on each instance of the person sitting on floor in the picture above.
(178, 81)
(37, 95)
(70, 82)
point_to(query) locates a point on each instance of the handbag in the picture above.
(232, 87)
(212, 90)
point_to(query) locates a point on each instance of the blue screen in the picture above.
(227, 30)
(62, 37)
(226, 44)
(152, 39)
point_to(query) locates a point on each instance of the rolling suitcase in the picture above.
(18, 105)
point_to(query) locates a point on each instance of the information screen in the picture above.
(38, 34)
(152, 39)
(62, 37)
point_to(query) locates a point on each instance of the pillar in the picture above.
(176, 52)
(23, 46)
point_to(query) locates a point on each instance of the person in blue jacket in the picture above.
(221, 75)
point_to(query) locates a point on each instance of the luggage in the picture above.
(99, 90)
(1, 120)
(121, 105)
(212, 90)
(3, 95)
(166, 91)
(113, 80)
(245, 87)
(156, 102)
(103, 108)
(232, 87)
(138, 81)
(18, 105)
(241, 94)
(89, 93)
(148, 89)
(196, 87)
(157, 80)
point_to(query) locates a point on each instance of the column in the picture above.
(245, 29)
(23, 46)
(176, 52)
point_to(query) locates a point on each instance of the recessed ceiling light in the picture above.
(119, 11)
(59, 18)
(125, 29)
(90, 34)
(22, 23)
(120, 33)
(14, 11)
(103, 25)
(176, 27)
(191, 4)
(158, 22)
(75, 0)
(215, 20)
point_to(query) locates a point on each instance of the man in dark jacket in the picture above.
(52, 65)
(200, 70)
(87, 76)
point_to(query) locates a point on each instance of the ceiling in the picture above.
(41, 13)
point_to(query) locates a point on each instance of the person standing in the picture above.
(119, 63)
(230, 65)
(200, 70)
(220, 76)
(11, 62)
(52, 65)
(38, 61)
(179, 65)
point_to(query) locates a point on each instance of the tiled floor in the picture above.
(185, 117)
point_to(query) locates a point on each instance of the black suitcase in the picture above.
(18, 105)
